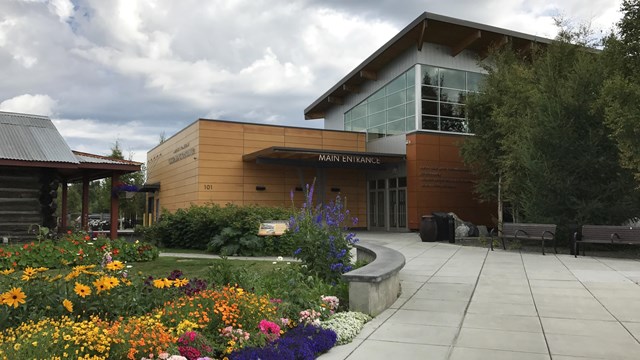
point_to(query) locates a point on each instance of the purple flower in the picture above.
(298, 250)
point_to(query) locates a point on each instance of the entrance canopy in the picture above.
(318, 158)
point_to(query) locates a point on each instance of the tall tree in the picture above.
(539, 129)
(621, 93)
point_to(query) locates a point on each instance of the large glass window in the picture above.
(388, 111)
(443, 94)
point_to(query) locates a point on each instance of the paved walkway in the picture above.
(462, 302)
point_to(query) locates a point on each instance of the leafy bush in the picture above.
(228, 230)
(73, 249)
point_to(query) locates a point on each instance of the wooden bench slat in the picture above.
(606, 234)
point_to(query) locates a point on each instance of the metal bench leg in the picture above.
(575, 249)
(543, 247)
(504, 247)
(555, 248)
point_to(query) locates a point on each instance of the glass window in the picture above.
(453, 78)
(359, 111)
(393, 183)
(377, 119)
(398, 84)
(452, 110)
(402, 182)
(381, 184)
(393, 103)
(430, 107)
(359, 124)
(429, 75)
(430, 122)
(411, 123)
(474, 81)
(396, 99)
(411, 93)
(411, 108)
(375, 106)
(395, 113)
(430, 93)
(453, 125)
(451, 95)
(396, 127)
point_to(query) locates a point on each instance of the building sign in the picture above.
(349, 159)
(273, 228)
(445, 177)
(182, 152)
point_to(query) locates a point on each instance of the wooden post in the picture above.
(85, 203)
(115, 178)
(63, 210)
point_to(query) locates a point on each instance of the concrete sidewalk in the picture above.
(462, 302)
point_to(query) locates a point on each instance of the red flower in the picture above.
(69, 232)
(87, 238)
(115, 252)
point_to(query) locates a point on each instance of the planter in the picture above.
(428, 228)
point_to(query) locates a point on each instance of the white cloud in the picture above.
(31, 104)
(62, 8)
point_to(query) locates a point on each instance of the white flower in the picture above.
(275, 262)
(280, 258)
(288, 262)
(89, 243)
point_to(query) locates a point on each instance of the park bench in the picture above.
(518, 231)
(605, 234)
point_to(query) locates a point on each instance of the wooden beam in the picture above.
(315, 115)
(369, 75)
(502, 41)
(64, 211)
(465, 43)
(115, 204)
(335, 100)
(423, 30)
(84, 220)
(351, 88)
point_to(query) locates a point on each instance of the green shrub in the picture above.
(228, 230)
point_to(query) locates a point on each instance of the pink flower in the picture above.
(270, 329)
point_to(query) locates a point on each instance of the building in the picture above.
(393, 127)
(35, 163)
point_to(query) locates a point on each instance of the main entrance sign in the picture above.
(355, 159)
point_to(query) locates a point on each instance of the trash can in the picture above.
(428, 228)
(445, 227)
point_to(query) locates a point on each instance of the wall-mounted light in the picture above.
(298, 188)
(335, 189)
(261, 188)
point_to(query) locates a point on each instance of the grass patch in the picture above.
(195, 267)
(183, 251)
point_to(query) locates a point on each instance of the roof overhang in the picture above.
(316, 158)
(150, 187)
(458, 35)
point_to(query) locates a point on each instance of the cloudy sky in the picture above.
(130, 70)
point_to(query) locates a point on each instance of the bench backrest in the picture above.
(625, 234)
(530, 230)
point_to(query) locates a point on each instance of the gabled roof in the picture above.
(32, 138)
(454, 33)
(33, 141)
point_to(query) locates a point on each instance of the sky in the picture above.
(133, 71)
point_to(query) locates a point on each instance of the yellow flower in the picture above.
(42, 269)
(28, 273)
(7, 271)
(14, 297)
(82, 290)
(100, 285)
(67, 305)
(180, 282)
(16, 347)
(110, 281)
(115, 265)
(162, 283)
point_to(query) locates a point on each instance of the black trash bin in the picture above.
(428, 228)
(446, 227)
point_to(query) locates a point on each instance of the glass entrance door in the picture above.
(398, 203)
(377, 205)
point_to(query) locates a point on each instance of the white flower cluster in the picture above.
(346, 325)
